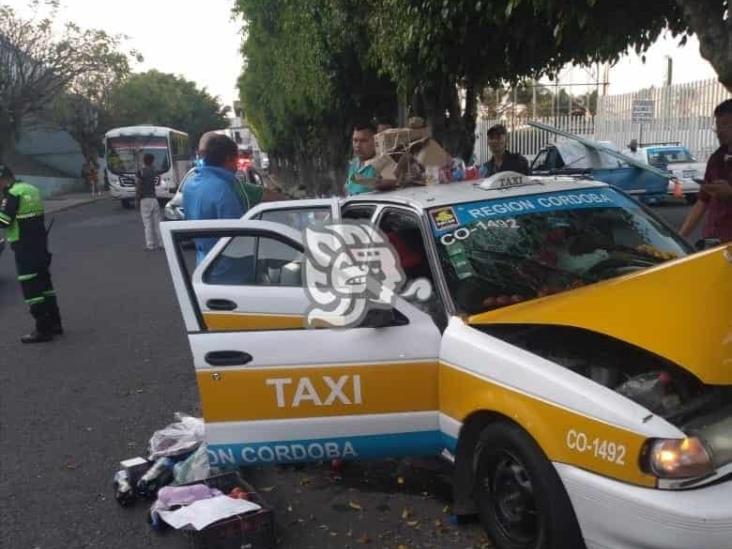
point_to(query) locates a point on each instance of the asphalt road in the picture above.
(70, 410)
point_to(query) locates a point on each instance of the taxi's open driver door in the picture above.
(274, 391)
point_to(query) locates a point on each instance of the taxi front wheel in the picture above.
(521, 501)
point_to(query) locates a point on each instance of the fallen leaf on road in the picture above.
(400, 481)
(289, 508)
(334, 534)
(71, 465)
(406, 513)
(354, 505)
(413, 523)
(306, 481)
(446, 509)
(402, 546)
(267, 489)
(364, 539)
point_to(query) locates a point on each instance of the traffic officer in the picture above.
(21, 215)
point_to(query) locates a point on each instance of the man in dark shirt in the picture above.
(502, 160)
(715, 195)
(145, 183)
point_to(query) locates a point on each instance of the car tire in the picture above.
(690, 198)
(521, 501)
(128, 203)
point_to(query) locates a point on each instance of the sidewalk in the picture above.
(64, 202)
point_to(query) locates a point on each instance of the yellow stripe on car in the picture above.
(234, 322)
(563, 435)
(317, 391)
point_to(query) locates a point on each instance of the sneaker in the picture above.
(37, 337)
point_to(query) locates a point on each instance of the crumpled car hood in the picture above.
(681, 310)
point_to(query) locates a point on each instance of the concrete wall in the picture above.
(52, 147)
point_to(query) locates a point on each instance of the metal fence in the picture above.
(682, 113)
(527, 140)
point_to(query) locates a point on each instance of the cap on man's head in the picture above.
(725, 107)
(497, 130)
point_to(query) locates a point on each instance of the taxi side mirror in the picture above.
(383, 318)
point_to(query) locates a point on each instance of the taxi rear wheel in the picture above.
(521, 501)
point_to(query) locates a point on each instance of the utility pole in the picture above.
(533, 98)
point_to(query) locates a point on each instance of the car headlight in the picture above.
(678, 458)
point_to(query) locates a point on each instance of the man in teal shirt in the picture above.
(364, 149)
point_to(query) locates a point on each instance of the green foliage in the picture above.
(306, 79)
(39, 66)
(306, 60)
(165, 100)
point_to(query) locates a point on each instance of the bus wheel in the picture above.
(128, 203)
(521, 501)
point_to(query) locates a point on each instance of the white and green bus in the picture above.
(125, 149)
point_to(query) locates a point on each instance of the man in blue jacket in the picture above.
(215, 192)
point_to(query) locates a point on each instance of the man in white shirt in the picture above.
(633, 152)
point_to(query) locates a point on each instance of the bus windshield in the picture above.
(125, 154)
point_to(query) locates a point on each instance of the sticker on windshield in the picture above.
(514, 207)
(444, 218)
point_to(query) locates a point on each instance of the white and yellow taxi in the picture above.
(572, 358)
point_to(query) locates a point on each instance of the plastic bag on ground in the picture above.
(181, 437)
(194, 468)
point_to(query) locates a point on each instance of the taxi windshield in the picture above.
(499, 252)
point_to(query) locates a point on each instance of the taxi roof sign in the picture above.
(507, 180)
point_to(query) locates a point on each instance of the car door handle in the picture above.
(227, 358)
(221, 305)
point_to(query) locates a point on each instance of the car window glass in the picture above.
(235, 264)
(260, 261)
(362, 211)
(503, 251)
(298, 218)
(540, 161)
(404, 232)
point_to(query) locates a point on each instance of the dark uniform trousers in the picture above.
(33, 261)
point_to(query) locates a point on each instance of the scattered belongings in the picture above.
(214, 512)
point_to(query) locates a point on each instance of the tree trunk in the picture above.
(451, 126)
(706, 20)
(470, 117)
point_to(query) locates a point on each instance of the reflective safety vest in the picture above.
(21, 212)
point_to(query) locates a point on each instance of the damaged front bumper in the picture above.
(617, 515)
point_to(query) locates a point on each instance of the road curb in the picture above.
(51, 211)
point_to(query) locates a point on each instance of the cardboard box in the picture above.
(384, 165)
(431, 154)
(396, 139)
